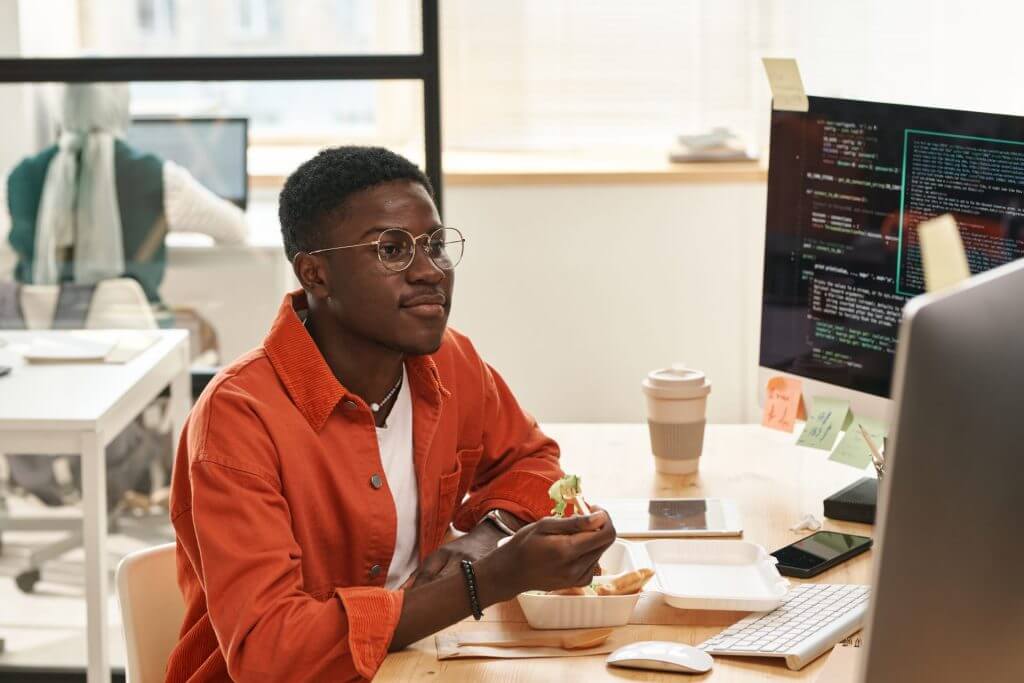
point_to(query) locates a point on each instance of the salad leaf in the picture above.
(563, 492)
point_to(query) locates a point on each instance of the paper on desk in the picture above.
(448, 647)
(827, 418)
(784, 404)
(787, 87)
(853, 450)
(88, 346)
(942, 253)
(843, 663)
(66, 347)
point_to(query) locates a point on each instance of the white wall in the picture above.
(573, 292)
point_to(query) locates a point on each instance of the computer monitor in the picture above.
(848, 184)
(947, 599)
(214, 150)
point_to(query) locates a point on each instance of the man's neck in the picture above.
(365, 368)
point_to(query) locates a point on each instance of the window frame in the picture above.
(423, 67)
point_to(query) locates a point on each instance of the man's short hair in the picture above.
(318, 189)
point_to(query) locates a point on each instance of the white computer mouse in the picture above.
(661, 655)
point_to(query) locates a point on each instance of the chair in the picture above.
(152, 611)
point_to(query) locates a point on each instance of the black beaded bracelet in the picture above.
(474, 601)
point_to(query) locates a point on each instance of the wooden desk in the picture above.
(78, 409)
(774, 483)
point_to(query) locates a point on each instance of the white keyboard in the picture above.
(811, 619)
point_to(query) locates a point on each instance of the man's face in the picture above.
(406, 311)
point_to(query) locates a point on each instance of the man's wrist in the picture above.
(492, 586)
(508, 523)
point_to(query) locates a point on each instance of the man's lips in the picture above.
(424, 300)
(425, 305)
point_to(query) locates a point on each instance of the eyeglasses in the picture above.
(396, 248)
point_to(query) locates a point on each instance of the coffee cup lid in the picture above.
(676, 382)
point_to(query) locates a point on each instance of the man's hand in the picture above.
(472, 546)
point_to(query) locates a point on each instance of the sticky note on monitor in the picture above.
(783, 404)
(825, 420)
(787, 87)
(942, 253)
(853, 450)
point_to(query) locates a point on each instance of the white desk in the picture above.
(79, 409)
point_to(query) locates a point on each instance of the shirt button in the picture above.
(375, 571)
(376, 482)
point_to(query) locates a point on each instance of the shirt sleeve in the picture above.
(519, 462)
(249, 565)
(191, 207)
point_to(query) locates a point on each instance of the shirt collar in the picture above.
(308, 379)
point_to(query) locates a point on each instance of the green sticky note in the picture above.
(824, 422)
(853, 450)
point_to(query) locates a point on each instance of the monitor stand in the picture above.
(855, 503)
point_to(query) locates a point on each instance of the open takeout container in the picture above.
(545, 611)
(712, 575)
(688, 574)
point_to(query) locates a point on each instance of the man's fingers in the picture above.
(586, 542)
(573, 525)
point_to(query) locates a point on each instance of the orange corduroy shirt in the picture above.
(285, 529)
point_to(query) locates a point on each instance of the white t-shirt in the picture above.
(395, 443)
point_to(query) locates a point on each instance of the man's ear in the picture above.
(311, 272)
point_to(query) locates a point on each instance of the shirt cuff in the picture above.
(524, 494)
(372, 619)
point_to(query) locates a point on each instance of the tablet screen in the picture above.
(669, 516)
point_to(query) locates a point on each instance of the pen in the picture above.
(876, 457)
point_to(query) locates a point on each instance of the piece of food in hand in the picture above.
(626, 584)
(568, 490)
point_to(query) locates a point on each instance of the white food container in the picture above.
(712, 575)
(584, 611)
(688, 574)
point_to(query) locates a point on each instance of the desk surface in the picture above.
(774, 483)
(72, 396)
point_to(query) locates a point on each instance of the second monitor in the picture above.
(849, 183)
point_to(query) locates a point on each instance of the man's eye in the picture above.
(390, 250)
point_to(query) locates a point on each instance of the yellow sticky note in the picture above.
(824, 422)
(783, 405)
(853, 450)
(787, 87)
(942, 253)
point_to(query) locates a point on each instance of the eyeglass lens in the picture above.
(397, 248)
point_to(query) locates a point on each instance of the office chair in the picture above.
(152, 610)
(114, 304)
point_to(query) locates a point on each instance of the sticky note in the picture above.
(787, 87)
(942, 253)
(783, 405)
(824, 422)
(853, 450)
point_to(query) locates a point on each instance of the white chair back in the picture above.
(117, 304)
(152, 611)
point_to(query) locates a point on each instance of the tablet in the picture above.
(668, 517)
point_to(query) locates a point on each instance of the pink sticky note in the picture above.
(784, 404)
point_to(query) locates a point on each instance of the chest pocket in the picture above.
(453, 486)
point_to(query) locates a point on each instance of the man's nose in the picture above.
(422, 268)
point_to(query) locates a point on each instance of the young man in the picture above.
(318, 475)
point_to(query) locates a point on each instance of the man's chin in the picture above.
(422, 343)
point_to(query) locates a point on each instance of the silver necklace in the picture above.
(375, 407)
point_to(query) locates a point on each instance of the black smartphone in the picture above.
(820, 551)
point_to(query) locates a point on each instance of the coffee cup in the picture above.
(676, 409)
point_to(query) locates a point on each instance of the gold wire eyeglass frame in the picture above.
(376, 243)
